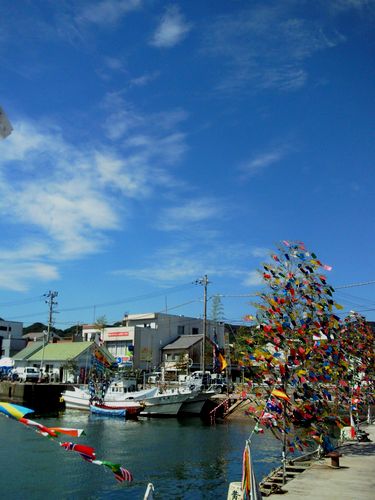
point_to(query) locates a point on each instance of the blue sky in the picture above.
(155, 142)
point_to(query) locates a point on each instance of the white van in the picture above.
(27, 373)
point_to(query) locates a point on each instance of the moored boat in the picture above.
(166, 403)
(148, 402)
(117, 396)
(107, 411)
(195, 404)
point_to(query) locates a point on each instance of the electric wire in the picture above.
(171, 290)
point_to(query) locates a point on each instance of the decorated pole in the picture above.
(292, 345)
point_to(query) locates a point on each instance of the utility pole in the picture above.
(204, 282)
(51, 303)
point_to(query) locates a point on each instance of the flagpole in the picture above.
(285, 385)
(284, 442)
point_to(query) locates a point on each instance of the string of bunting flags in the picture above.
(18, 413)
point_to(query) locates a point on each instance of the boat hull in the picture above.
(151, 402)
(195, 404)
(192, 407)
(78, 399)
(106, 411)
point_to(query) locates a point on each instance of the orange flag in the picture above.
(280, 394)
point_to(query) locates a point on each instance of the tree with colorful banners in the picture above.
(297, 350)
(357, 341)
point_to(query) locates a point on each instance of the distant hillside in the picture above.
(39, 327)
(35, 327)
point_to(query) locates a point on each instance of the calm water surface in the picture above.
(184, 459)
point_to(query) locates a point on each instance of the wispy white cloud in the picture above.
(107, 12)
(178, 218)
(253, 278)
(118, 173)
(114, 63)
(261, 162)
(186, 261)
(180, 268)
(351, 4)
(145, 136)
(18, 276)
(121, 116)
(27, 250)
(66, 205)
(24, 263)
(259, 252)
(71, 197)
(143, 80)
(172, 29)
(266, 47)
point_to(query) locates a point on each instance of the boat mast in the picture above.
(204, 282)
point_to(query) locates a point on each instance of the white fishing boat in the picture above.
(195, 404)
(150, 402)
(116, 396)
(166, 402)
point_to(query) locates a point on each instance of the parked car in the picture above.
(26, 374)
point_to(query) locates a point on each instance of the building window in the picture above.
(195, 331)
(181, 329)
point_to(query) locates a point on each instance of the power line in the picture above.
(21, 302)
(152, 295)
(364, 283)
(129, 299)
(114, 303)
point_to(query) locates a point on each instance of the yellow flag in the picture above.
(280, 394)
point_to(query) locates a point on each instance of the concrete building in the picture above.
(140, 341)
(186, 352)
(64, 361)
(11, 340)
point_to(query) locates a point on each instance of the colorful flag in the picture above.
(278, 393)
(45, 431)
(15, 411)
(250, 488)
(68, 431)
(219, 361)
(121, 474)
(86, 452)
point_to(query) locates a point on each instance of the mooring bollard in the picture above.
(335, 459)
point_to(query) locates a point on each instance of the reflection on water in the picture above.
(184, 459)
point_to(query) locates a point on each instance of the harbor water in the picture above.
(183, 458)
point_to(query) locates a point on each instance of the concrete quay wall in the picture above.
(42, 398)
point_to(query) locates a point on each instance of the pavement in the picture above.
(353, 480)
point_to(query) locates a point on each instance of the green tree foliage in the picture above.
(100, 323)
(217, 309)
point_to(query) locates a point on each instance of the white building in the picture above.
(11, 340)
(63, 361)
(139, 342)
